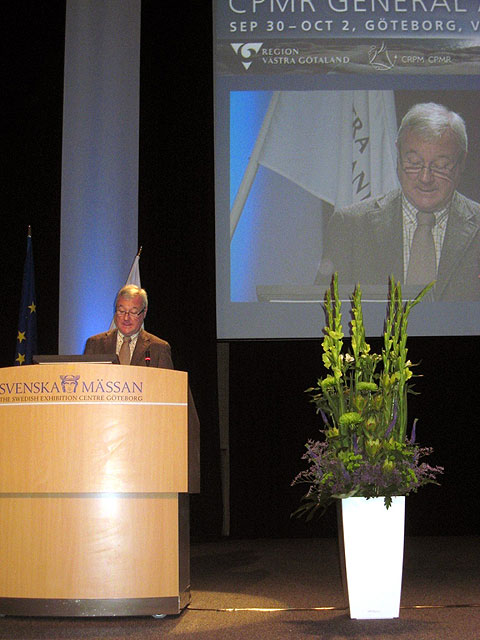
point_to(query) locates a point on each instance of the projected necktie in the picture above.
(422, 267)
(124, 354)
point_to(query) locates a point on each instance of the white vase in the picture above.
(373, 538)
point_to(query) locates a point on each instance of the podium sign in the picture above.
(93, 490)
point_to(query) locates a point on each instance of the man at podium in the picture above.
(135, 346)
(129, 340)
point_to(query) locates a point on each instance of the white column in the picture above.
(99, 216)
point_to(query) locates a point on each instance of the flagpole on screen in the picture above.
(252, 166)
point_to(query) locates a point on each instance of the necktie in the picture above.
(124, 353)
(422, 267)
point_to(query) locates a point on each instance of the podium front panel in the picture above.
(93, 490)
(109, 546)
(73, 428)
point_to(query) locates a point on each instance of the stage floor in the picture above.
(292, 589)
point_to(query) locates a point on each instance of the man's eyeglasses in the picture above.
(441, 169)
(132, 313)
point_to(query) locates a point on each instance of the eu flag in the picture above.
(27, 317)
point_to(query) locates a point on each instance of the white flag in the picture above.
(338, 145)
(134, 275)
(132, 278)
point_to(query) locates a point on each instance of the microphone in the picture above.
(147, 358)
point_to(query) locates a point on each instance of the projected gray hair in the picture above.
(431, 120)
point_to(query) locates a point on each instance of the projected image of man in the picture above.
(424, 231)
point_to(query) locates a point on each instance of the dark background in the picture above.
(270, 416)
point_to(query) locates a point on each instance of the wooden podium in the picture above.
(93, 490)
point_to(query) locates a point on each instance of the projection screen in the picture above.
(308, 100)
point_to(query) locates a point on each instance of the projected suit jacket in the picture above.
(159, 350)
(364, 244)
(160, 357)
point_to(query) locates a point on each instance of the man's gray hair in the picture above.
(431, 120)
(129, 291)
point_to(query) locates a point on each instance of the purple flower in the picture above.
(355, 444)
(324, 417)
(412, 437)
(392, 423)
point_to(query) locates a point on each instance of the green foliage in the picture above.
(372, 386)
(363, 404)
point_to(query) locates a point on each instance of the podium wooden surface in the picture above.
(93, 490)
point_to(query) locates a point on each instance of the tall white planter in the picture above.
(373, 538)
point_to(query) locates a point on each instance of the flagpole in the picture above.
(252, 166)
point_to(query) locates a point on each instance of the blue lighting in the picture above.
(247, 111)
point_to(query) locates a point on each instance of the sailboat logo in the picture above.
(379, 58)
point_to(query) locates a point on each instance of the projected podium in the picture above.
(93, 490)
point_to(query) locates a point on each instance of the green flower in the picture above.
(336, 335)
(350, 419)
(350, 460)
(364, 387)
(371, 422)
(327, 383)
(332, 433)
(372, 447)
(360, 402)
(388, 466)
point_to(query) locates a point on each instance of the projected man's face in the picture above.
(129, 315)
(429, 170)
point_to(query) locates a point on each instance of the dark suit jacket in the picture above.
(160, 357)
(159, 350)
(364, 244)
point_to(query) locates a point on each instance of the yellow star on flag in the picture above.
(21, 336)
(20, 358)
(32, 307)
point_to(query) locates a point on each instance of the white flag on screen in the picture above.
(338, 145)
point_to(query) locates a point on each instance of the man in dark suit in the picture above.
(135, 346)
(369, 241)
(144, 348)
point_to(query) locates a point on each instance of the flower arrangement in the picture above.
(365, 450)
